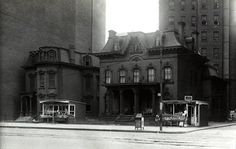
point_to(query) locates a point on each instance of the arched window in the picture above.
(168, 73)
(51, 55)
(136, 75)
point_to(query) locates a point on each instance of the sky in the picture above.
(125, 16)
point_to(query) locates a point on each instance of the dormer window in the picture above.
(51, 55)
(87, 60)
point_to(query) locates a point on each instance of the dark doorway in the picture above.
(128, 102)
(145, 98)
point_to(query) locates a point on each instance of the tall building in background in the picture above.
(212, 23)
(27, 25)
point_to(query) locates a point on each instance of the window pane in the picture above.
(182, 4)
(171, 20)
(51, 78)
(41, 80)
(216, 35)
(151, 75)
(193, 20)
(72, 110)
(107, 76)
(204, 4)
(167, 73)
(216, 4)
(203, 35)
(122, 76)
(216, 20)
(136, 76)
(204, 20)
(171, 4)
(194, 4)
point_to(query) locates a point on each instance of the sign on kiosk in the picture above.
(188, 98)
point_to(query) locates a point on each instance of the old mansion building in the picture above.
(131, 69)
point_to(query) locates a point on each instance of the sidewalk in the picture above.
(115, 128)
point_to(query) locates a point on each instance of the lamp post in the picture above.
(161, 90)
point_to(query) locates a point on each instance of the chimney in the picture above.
(112, 33)
(181, 26)
(72, 53)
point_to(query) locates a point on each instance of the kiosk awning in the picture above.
(54, 101)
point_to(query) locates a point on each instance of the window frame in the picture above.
(193, 21)
(168, 73)
(122, 77)
(204, 36)
(182, 4)
(50, 83)
(151, 76)
(216, 4)
(204, 20)
(215, 53)
(136, 75)
(194, 4)
(42, 80)
(171, 4)
(108, 76)
(171, 20)
(71, 111)
(216, 35)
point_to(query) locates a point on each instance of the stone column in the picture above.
(30, 106)
(136, 101)
(21, 107)
(26, 107)
(111, 99)
(121, 101)
(153, 102)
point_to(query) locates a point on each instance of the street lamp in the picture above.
(161, 90)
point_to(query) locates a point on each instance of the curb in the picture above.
(118, 130)
(213, 127)
(82, 129)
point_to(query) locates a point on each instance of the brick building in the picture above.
(212, 24)
(27, 25)
(130, 72)
(61, 81)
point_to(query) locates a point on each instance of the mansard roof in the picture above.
(58, 55)
(140, 42)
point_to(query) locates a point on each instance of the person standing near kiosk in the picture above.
(185, 114)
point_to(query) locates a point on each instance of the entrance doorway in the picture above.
(146, 106)
(128, 102)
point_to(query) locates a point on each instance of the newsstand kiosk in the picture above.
(197, 114)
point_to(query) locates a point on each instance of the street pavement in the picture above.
(33, 138)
